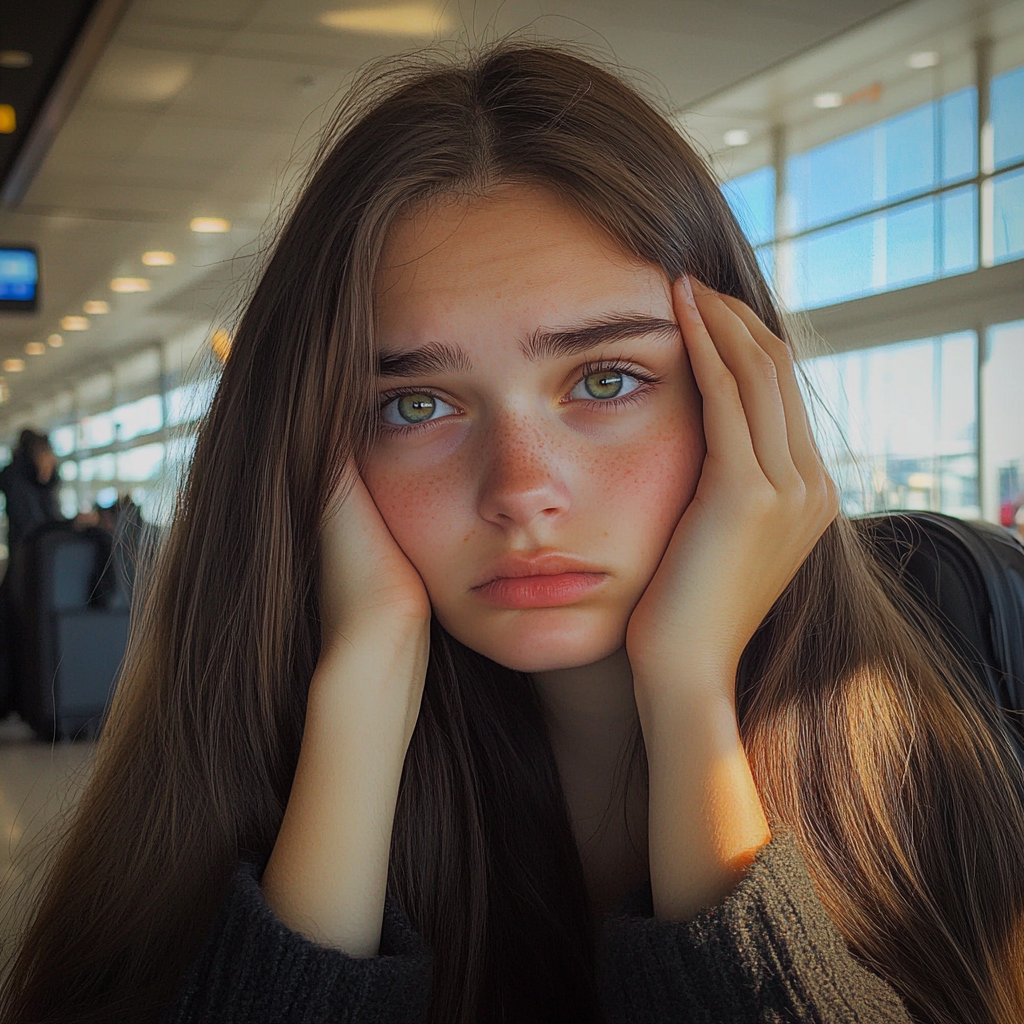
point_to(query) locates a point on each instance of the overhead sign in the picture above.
(19, 278)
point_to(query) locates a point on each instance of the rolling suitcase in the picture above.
(72, 621)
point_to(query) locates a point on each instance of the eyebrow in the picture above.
(557, 343)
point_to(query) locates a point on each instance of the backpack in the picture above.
(969, 577)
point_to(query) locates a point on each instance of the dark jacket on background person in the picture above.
(29, 503)
(767, 953)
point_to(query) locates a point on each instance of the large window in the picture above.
(1002, 380)
(898, 424)
(894, 204)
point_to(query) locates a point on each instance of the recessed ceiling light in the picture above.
(15, 59)
(923, 59)
(96, 307)
(158, 258)
(826, 100)
(74, 323)
(35, 348)
(406, 20)
(736, 137)
(127, 285)
(55, 341)
(14, 365)
(209, 225)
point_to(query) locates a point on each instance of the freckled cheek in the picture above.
(420, 510)
(642, 490)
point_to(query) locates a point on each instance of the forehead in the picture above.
(508, 262)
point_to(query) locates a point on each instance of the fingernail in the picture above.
(688, 288)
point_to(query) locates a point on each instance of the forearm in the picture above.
(705, 818)
(327, 874)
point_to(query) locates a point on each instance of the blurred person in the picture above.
(30, 484)
(508, 658)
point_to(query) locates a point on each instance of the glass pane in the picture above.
(100, 467)
(958, 124)
(1003, 422)
(68, 498)
(909, 153)
(959, 213)
(142, 463)
(829, 266)
(96, 431)
(141, 417)
(832, 180)
(909, 245)
(1008, 116)
(897, 424)
(62, 440)
(1008, 216)
(752, 198)
(190, 401)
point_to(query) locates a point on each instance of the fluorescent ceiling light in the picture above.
(55, 341)
(404, 20)
(922, 59)
(126, 285)
(209, 225)
(35, 348)
(14, 365)
(96, 307)
(74, 323)
(826, 100)
(134, 77)
(736, 137)
(158, 258)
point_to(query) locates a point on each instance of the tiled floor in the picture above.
(39, 783)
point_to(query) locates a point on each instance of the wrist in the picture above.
(687, 689)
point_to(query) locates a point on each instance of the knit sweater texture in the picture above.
(768, 953)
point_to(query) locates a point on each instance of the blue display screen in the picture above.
(19, 275)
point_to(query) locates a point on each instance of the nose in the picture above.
(524, 478)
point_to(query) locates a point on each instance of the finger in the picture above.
(801, 438)
(757, 380)
(726, 432)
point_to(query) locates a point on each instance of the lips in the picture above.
(551, 563)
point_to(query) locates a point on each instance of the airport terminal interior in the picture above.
(872, 151)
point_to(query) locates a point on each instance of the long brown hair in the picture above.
(885, 760)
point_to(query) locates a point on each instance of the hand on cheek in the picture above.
(762, 502)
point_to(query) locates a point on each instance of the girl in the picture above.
(507, 659)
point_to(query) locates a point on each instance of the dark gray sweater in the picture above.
(768, 953)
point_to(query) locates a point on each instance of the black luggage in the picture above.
(970, 577)
(72, 622)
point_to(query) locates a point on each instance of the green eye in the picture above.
(416, 408)
(603, 384)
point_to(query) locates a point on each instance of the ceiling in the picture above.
(208, 108)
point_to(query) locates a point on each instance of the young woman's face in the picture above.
(546, 408)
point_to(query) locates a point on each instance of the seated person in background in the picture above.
(30, 484)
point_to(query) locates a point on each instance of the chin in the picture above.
(543, 640)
